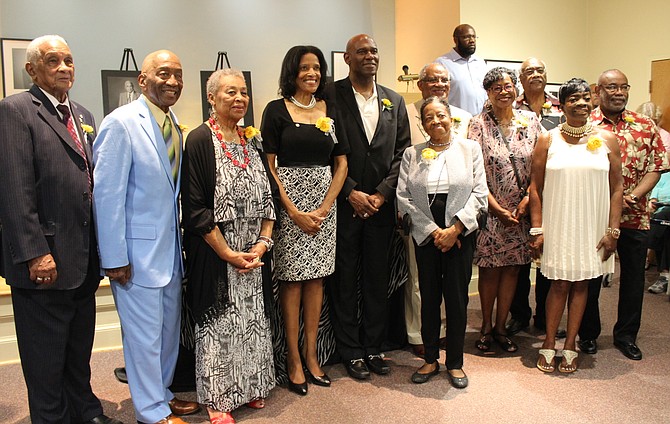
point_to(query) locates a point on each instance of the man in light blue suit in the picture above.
(137, 158)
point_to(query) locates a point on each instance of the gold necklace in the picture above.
(576, 132)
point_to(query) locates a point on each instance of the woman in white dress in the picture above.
(575, 199)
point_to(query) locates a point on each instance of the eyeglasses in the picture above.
(530, 71)
(613, 88)
(436, 80)
(499, 88)
(467, 37)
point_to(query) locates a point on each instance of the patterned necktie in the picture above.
(171, 148)
(68, 122)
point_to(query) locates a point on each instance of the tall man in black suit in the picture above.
(48, 240)
(376, 126)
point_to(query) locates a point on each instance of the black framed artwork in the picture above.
(15, 79)
(248, 118)
(119, 88)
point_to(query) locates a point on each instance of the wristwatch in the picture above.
(614, 232)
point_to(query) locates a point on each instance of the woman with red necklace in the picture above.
(228, 215)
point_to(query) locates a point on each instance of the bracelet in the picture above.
(614, 232)
(267, 241)
(536, 231)
(634, 198)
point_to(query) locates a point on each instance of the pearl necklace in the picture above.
(311, 104)
(430, 142)
(219, 136)
(576, 132)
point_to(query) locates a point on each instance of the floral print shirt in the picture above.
(642, 151)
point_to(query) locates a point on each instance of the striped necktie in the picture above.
(171, 146)
(68, 122)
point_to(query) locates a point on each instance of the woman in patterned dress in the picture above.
(299, 138)
(228, 214)
(505, 135)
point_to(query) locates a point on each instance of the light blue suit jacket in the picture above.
(135, 199)
(468, 192)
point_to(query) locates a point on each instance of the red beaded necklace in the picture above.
(216, 130)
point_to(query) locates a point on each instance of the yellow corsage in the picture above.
(87, 128)
(521, 122)
(594, 143)
(251, 132)
(183, 128)
(324, 123)
(629, 119)
(428, 153)
(546, 105)
(456, 119)
(387, 105)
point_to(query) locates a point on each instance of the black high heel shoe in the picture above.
(322, 380)
(300, 389)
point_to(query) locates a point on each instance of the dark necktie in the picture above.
(68, 122)
(171, 148)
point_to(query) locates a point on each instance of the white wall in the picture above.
(255, 33)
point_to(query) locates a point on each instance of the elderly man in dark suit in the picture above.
(48, 241)
(376, 126)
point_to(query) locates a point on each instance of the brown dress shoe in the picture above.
(171, 419)
(183, 407)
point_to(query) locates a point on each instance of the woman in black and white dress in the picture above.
(299, 138)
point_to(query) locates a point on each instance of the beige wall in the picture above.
(423, 32)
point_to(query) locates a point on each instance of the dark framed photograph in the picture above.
(248, 118)
(119, 88)
(514, 65)
(339, 68)
(15, 79)
(552, 88)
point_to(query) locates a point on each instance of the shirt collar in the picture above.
(55, 101)
(374, 93)
(157, 112)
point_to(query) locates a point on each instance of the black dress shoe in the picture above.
(319, 380)
(120, 374)
(458, 382)
(377, 365)
(560, 333)
(103, 419)
(630, 350)
(300, 389)
(588, 346)
(419, 378)
(357, 369)
(514, 325)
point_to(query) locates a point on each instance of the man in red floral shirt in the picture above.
(643, 158)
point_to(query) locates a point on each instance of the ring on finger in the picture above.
(365, 215)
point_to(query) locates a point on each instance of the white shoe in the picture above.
(660, 286)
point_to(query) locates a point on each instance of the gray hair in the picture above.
(424, 70)
(497, 74)
(214, 81)
(33, 52)
(651, 110)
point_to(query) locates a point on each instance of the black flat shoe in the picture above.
(588, 346)
(322, 380)
(458, 382)
(377, 365)
(630, 350)
(103, 419)
(357, 369)
(300, 389)
(419, 378)
(504, 342)
(514, 325)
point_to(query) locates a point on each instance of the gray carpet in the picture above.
(504, 388)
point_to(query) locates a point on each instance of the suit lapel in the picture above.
(347, 95)
(77, 116)
(155, 135)
(48, 113)
(380, 95)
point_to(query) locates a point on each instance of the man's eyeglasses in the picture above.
(613, 88)
(530, 71)
(467, 37)
(436, 80)
(499, 88)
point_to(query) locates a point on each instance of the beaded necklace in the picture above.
(216, 130)
(576, 132)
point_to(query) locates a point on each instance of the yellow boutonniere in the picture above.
(251, 132)
(87, 128)
(456, 119)
(594, 143)
(629, 119)
(387, 105)
(428, 153)
(183, 128)
(546, 105)
(324, 123)
(521, 122)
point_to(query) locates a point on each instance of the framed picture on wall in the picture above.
(119, 88)
(15, 79)
(514, 65)
(552, 88)
(248, 118)
(339, 69)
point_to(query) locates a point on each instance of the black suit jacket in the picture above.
(45, 202)
(373, 166)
